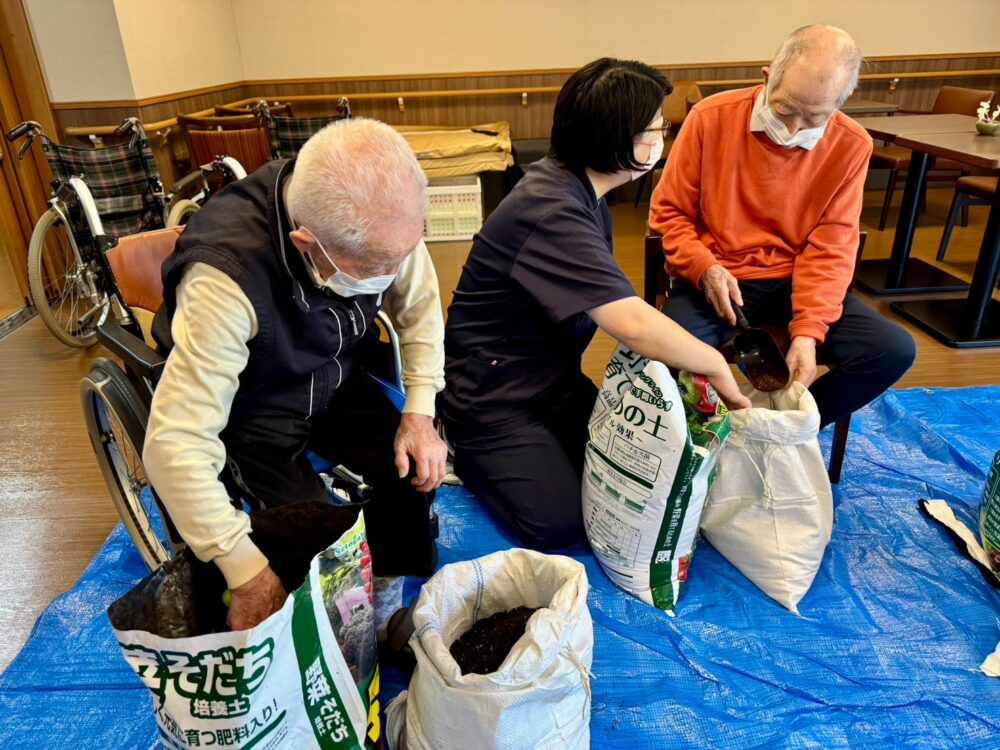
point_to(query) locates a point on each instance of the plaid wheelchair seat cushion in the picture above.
(289, 134)
(118, 179)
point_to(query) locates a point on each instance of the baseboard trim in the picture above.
(15, 320)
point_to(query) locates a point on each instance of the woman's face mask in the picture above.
(653, 138)
(342, 283)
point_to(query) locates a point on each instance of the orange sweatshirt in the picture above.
(734, 197)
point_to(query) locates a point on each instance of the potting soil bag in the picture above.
(539, 698)
(770, 510)
(649, 463)
(989, 515)
(986, 556)
(306, 677)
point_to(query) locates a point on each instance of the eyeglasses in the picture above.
(663, 130)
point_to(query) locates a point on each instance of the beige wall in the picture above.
(180, 45)
(80, 49)
(431, 36)
(124, 49)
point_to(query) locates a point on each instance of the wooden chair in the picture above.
(656, 284)
(241, 136)
(675, 109)
(950, 100)
(969, 191)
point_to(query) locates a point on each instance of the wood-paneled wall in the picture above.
(530, 121)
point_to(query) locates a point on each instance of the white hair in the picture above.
(819, 39)
(352, 176)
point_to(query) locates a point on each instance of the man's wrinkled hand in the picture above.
(256, 600)
(418, 441)
(722, 289)
(801, 360)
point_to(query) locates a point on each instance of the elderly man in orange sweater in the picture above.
(759, 206)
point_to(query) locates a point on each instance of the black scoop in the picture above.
(759, 357)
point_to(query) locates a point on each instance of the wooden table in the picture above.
(889, 128)
(858, 106)
(975, 320)
(900, 274)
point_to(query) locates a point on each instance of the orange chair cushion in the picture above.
(136, 262)
(955, 100)
(891, 157)
(980, 187)
(897, 158)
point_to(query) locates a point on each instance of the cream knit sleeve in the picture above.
(183, 454)
(413, 304)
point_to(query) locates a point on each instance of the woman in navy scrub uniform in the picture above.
(540, 279)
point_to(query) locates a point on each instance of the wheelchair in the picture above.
(116, 397)
(288, 134)
(97, 195)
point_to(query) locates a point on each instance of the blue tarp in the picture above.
(884, 655)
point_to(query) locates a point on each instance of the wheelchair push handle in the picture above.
(127, 126)
(19, 130)
(28, 128)
(263, 112)
(133, 126)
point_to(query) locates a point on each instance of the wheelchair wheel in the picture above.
(116, 419)
(180, 212)
(63, 290)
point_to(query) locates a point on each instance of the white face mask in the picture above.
(341, 283)
(765, 119)
(655, 152)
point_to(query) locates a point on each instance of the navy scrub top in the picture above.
(517, 325)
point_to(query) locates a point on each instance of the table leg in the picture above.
(902, 241)
(901, 274)
(975, 320)
(985, 274)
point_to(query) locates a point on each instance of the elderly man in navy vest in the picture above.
(269, 295)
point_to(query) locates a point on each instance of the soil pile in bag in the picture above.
(768, 382)
(482, 649)
(535, 693)
(183, 598)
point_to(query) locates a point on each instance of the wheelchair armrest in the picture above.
(135, 352)
(189, 183)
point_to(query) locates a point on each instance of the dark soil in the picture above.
(482, 649)
(183, 598)
(767, 382)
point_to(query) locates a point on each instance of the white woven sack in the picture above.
(770, 511)
(540, 696)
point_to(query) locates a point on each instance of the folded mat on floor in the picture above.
(885, 653)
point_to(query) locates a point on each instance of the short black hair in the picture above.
(601, 109)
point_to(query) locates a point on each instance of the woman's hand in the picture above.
(646, 330)
(725, 385)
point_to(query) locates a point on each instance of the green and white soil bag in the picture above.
(987, 555)
(306, 677)
(539, 698)
(649, 463)
(770, 510)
